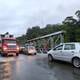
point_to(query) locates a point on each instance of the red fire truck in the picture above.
(8, 45)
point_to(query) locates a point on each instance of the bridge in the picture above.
(48, 41)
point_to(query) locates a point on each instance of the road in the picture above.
(36, 67)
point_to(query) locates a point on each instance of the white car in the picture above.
(69, 52)
(29, 49)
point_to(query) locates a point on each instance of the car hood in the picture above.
(50, 51)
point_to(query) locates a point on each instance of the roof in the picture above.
(49, 35)
(9, 38)
(71, 43)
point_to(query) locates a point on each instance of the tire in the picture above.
(35, 53)
(17, 54)
(76, 62)
(26, 53)
(50, 58)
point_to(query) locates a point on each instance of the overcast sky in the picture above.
(18, 15)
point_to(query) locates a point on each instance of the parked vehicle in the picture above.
(69, 52)
(30, 50)
(8, 46)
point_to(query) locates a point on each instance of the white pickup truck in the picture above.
(69, 52)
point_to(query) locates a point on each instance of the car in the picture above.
(69, 52)
(30, 50)
(21, 51)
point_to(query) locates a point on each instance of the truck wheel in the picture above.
(76, 62)
(50, 58)
(35, 53)
(17, 54)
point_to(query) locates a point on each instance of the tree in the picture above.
(78, 25)
(78, 14)
(22, 39)
(33, 32)
(70, 23)
(70, 20)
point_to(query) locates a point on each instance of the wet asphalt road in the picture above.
(36, 68)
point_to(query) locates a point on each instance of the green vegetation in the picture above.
(70, 25)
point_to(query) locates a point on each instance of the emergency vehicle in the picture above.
(8, 45)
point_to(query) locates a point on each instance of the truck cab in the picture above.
(9, 46)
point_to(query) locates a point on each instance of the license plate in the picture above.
(10, 53)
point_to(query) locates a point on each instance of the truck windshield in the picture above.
(9, 41)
